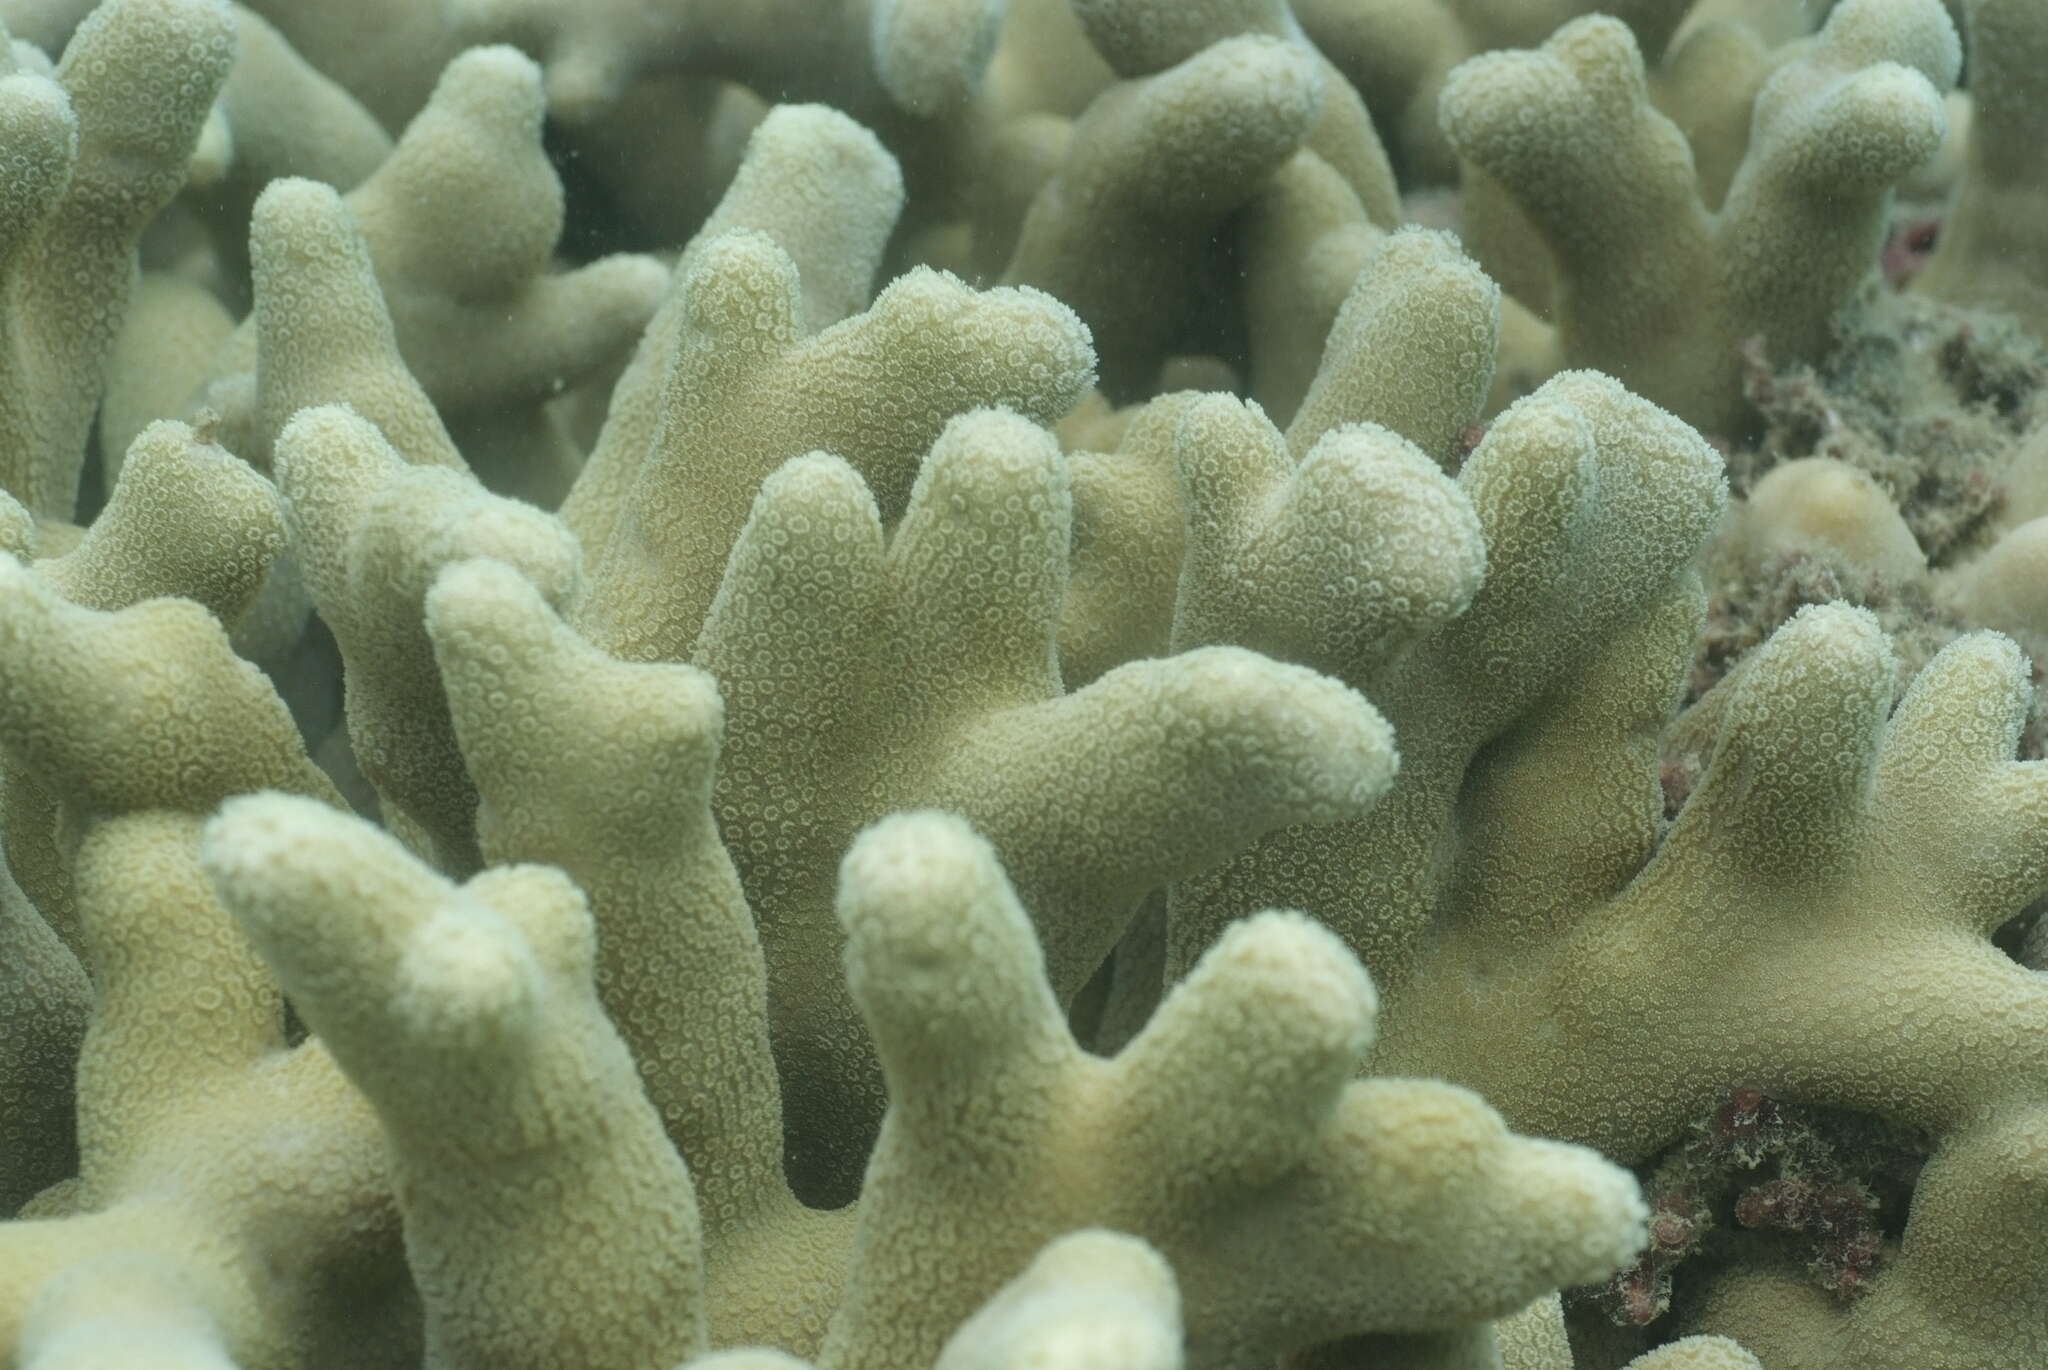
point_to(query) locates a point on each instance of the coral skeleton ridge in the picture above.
(1023, 685)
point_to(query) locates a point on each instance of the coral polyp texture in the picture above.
(1023, 685)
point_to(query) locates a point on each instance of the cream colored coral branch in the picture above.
(93, 155)
(1293, 1205)
(1653, 288)
(864, 674)
(547, 1221)
(1988, 253)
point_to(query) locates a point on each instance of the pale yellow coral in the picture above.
(1818, 505)
(93, 155)
(345, 287)
(1088, 1299)
(372, 532)
(605, 768)
(861, 678)
(1233, 1100)
(1653, 288)
(469, 1019)
(826, 562)
(1398, 52)
(828, 194)
(748, 391)
(1989, 252)
(46, 1000)
(208, 1151)
(920, 56)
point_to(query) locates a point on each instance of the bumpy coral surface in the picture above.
(1125, 684)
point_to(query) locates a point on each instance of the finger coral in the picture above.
(94, 150)
(1651, 287)
(1055, 684)
(1985, 255)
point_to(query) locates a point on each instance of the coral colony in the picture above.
(1052, 685)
